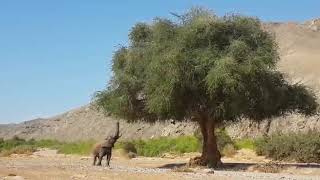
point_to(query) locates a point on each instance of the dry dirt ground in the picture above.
(46, 164)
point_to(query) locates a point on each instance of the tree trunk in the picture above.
(203, 129)
(213, 154)
(210, 153)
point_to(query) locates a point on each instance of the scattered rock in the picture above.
(15, 177)
(208, 171)
(85, 158)
(78, 176)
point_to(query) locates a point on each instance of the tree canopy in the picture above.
(204, 67)
(225, 66)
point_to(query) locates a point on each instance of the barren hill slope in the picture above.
(299, 46)
(87, 123)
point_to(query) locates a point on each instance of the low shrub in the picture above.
(223, 139)
(229, 150)
(245, 144)
(17, 145)
(127, 146)
(47, 143)
(12, 143)
(81, 148)
(260, 145)
(300, 147)
(270, 167)
(176, 145)
(22, 149)
(156, 147)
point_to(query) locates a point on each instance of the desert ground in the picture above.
(46, 164)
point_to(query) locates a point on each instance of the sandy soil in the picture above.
(46, 164)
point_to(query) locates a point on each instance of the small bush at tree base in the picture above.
(131, 155)
(223, 139)
(229, 150)
(300, 147)
(127, 147)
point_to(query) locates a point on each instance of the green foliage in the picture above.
(177, 145)
(294, 146)
(17, 145)
(260, 145)
(21, 149)
(82, 148)
(225, 66)
(245, 144)
(156, 147)
(12, 143)
(46, 143)
(223, 139)
(200, 67)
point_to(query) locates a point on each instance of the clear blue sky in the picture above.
(54, 54)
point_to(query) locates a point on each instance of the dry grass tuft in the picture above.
(28, 150)
(270, 167)
(229, 150)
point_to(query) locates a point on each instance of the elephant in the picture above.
(105, 148)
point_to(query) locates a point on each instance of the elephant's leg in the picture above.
(95, 156)
(102, 153)
(109, 153)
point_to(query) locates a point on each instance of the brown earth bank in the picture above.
(299, 45)
(46, 164)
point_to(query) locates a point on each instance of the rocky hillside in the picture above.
(299, 46)
(87, 123)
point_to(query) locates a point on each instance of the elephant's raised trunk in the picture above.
(116, 134)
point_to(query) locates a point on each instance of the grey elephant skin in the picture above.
(105, 148)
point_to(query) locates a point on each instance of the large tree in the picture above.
(202, 67)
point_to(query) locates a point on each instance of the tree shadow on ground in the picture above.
(244, 166)
(172, 165)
